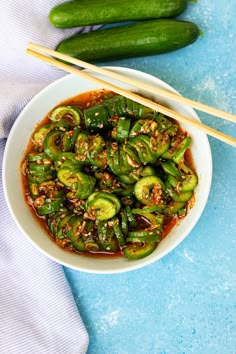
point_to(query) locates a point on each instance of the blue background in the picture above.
(186, 302)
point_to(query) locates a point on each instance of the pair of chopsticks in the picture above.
(36, 50)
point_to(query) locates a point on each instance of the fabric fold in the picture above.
(37, 309)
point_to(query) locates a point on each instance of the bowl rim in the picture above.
(134, 264)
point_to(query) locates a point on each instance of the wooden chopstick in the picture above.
(150, 88)
(153, 105)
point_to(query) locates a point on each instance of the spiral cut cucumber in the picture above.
(107, 178)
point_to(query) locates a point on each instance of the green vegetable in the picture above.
(50, 207)
(106, 237)
(170, 168)
(68, 160)
(84, 13)
(139, 250)
(176, 153)
(118, 232)
(75, 233)
(149, 190)
(82, 183)
(67, 114)
(102, 205)
(52, 145)
(123, 127)
(41, 133)
(133, 40)
(96, 118)
(130, 217)
(113, 185)
(36, 156)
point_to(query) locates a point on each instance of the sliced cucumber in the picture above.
(123, 127)
(72, 178)
(41, 133)
(67, 114)
(180, 197)
(102, 205)
(106, 237)
(74, 233)
(52, 145)
(147, 188)
(50, 207)
(170, 168)
(139, 250)
(96, 118)
(118, 232)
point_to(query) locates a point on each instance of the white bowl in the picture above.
(33, 113)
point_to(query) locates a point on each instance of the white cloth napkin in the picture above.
(37, 310)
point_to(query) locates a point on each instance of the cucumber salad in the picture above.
(105, 175)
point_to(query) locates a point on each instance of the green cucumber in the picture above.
(143, 189)
(66, 143)
(148, 171)
(37, 156)
(132, 158)
(38, 168)
(41, 133)
(76, 180)
(130, 217)
(100, 160)
(170, 168)
(62, 226)
(102, 205)
(124, 222)
(53, 220)
(96, 118)
(189, 179)
(180, 197)
(144, 233)
(138, 250)
(147, 239)
(118, 232)
(49, 208)
(123, 127)
(144, 126)
(173, 207)
(146, 209)
(41, 178)
(106, 237)
(181, 148)
(74, 233)
(188, 183)
(113, 198)
(133, 40)
(52, 145)
(127, 179)
(77, 239)
(177, 151)
(143, 148)
(96, 143)
(34, 189)
(68, 160)
(160, 144)
(70, 178)
(67, 114)
(85, 13)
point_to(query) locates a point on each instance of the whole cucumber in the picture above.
(91, 12)
(139, 39)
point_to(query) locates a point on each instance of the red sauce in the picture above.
(86, 100)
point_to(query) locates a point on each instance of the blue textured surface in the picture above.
(186, 302)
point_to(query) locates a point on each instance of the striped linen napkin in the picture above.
(37, 310)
